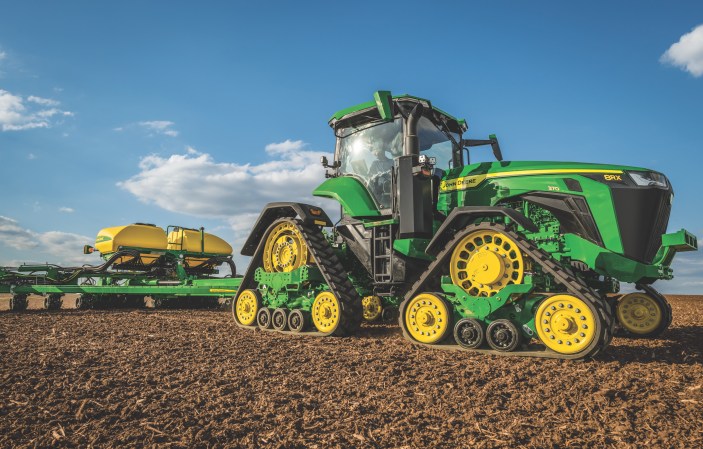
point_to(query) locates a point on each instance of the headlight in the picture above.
(648, 178)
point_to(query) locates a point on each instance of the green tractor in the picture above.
(503, 257)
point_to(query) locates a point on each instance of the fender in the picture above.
(461, 216)
(273, 211)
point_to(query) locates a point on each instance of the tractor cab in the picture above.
(392, 147)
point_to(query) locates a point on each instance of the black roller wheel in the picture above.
(84, 302)
(469, 333)
(279, 319)
(503, 335)
(297, 320)
(263, 318)
(53, 302)
(18, 303)
(389, 314)
(119, 301)
(136, 302)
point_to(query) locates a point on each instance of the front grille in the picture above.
(643, 216)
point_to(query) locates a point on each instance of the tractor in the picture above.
(521, 258)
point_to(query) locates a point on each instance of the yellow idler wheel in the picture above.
(566, 324)
(326, 312)
(427, 318)
(485, 261)
(246, 307)
(639, 313)
(285, 249)
(372, 307)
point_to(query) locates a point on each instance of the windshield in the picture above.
(436, 143)
(368, 155)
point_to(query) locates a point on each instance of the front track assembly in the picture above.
(336, 309)
(578, 323)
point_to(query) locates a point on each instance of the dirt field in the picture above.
(191, 379)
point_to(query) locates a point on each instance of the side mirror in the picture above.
(330, 169)
(325, 163)
(496, 147)
(492, 141)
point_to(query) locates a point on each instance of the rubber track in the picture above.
(332, 270)
(564, 276)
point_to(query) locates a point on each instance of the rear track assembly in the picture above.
(331, 269)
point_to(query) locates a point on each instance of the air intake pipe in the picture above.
(412, 144)
(413, 193)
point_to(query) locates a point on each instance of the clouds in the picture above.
(687, 53)
(59, 247)
(196, 184)
(160, 127)
(42, 101)
(20, 114)
(152, 127)
(14, 236)
(66, 210)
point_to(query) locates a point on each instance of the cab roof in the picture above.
(374, 110)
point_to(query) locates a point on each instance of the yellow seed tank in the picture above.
(138, 235)
(193, 241)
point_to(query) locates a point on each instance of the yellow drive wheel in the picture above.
(427, 318)
(639, 313)
(485, 261)
(247, 306)
(326, 312)
(285, 249)
(372, 307)
(566, 324)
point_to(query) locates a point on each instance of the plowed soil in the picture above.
(135, 378)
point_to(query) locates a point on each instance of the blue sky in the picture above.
(177, 113)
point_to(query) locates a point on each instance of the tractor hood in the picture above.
(526, 168)
(637, 200)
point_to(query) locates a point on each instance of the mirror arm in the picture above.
(492, 141)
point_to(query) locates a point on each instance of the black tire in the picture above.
(84, 302)
(389, 314)
(18, 303)
(502, 335)
(664, 309)
(279, 319)
(53, 301)
(136, 302)
(297, 320)
(469, 333)
(263, 318)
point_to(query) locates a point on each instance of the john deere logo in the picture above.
(466, 182)
(102, 238)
